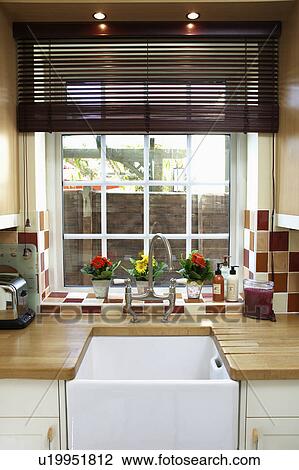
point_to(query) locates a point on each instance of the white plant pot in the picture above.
(101, 288)
(141, 286)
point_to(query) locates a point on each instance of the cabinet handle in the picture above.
(50, 436)
(255, 438)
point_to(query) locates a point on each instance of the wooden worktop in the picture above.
(53, 347)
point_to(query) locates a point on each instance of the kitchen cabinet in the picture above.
(29, 433)
(287, 164)
(32, 414)
(272, 434)
(269, 415)
(9, 181)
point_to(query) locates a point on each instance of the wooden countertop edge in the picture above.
(253, 365)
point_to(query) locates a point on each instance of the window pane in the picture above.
(167, 212)
(124, 157)
(210, 158)
(210, 209)
(212, 249)
(82, 209)
(167, 157)
(81, 157)
(124, 250)
(76, 254)
(125, 212)
(178, 248)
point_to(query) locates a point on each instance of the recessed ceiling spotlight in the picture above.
(99, 15)
(193, 15)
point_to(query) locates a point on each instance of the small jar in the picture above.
(258, 297)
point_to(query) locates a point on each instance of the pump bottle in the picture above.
(218, 285)
(233, 285)
(225, 273)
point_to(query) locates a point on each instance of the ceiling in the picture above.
(210, 11)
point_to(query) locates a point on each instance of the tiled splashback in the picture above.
(38, 237)
(12, 260)
(259, 244)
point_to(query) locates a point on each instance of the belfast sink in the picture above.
(162, 392)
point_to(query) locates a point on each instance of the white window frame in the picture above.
(237, 179)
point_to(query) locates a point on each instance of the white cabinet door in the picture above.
(272, 434)
(29, 433)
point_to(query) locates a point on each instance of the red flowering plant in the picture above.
(100, 268)
(196, 267)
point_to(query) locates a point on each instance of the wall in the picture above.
(9, 192)
(259, 244)
(288, 136)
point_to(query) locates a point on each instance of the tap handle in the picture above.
(172, 285)
(128, 286)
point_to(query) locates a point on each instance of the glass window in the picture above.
(119, 190)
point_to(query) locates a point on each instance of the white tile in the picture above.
(252, 261)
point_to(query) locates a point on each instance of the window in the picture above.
(118, 190)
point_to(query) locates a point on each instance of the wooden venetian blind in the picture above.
(171, 83)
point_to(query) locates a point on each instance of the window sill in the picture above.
(85, 302)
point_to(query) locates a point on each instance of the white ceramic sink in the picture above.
(160, 392)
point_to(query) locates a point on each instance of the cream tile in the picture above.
(9, 237)
(294, 240)
(281, 261)
(280, 302)
(261, 276)
(293, 282)
(262, 241)
(194, 309)
(246, 239)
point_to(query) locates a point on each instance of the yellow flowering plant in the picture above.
(139, 268)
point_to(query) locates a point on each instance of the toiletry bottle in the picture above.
(218, 285)
(233, 285)
(225, 273)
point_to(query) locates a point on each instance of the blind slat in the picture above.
(170, 84)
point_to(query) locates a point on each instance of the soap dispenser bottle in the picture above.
(233, 285)
(218, 285)
(225, 273)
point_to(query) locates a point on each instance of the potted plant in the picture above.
(139, 270)
(196, 269)
(100, 269)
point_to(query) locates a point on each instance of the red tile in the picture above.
(113, 301)
(179, 309)
(58, 295)
(50, 309)
(293, 303)
(279, 241)
(46, 278)
(46, 239)
(294, 261)
(262, 262)
(263, 220)
(280, 281)
(246, 219)
(42, 261)
(215, 309)
(246, 258)
(73, 301)
(91, 309)
(29, 237)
